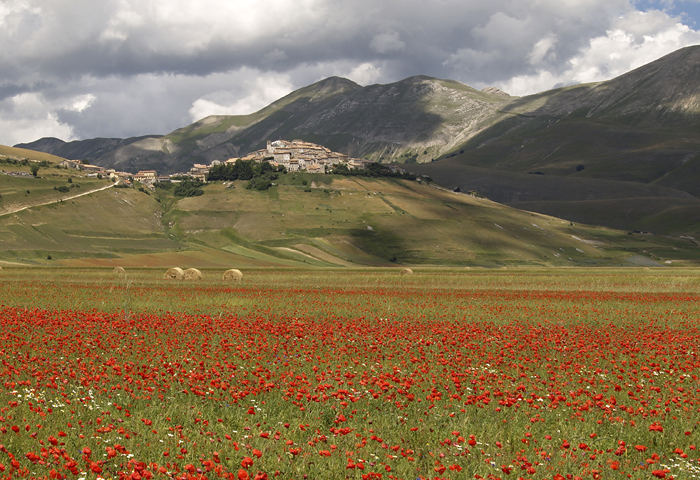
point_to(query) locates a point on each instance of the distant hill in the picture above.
(306, 220)
(16, 153)
(94, 150)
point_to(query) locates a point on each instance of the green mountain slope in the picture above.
(641, 126)
(315, 220)
(558, 151)
(20, 188)
(21, 154)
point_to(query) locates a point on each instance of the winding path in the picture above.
(16, 210)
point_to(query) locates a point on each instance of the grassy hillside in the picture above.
(602, 151)
(105, 224)
(315, 220)
(19, 188)
(14, 153)
(394, 221)
(626, 205)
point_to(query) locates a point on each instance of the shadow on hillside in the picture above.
(552, 151)
(385, 245)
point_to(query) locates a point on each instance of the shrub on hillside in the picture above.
(188, 188)
(261, 182)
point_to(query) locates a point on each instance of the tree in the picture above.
(188, 188)
(246, 169)
(34, 169)
(261, 182)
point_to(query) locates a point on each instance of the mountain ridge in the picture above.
(377, 121)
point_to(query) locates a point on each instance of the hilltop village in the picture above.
(298, 155)
(293, 155)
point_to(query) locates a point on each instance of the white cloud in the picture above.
(635, 39)
(25, 114)
(365, 73)
(505, 30)
(81, 102)
(124, 21)
(542, 50)
(255, 91)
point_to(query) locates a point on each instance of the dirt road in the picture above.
(16, 210)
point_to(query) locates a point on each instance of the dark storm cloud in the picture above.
(129, 39)
(11, 89)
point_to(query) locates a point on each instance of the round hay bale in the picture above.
(192, 274)
(175, 273)
(406, 271)
(233, 274)
(119, 270)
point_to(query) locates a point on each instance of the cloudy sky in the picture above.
(78, 69)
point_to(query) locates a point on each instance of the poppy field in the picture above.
(360, 375)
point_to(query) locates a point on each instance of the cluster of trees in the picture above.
(242, 170)
(260, 174)
(373, 170)
(66, 188)
(187, 187)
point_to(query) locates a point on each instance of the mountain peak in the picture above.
(417, 78)
(335, 83)
(336, 80)
(328, 87)
(495, 91)
(42, 144)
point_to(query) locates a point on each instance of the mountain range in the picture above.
(623, 153)
(418, 118)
